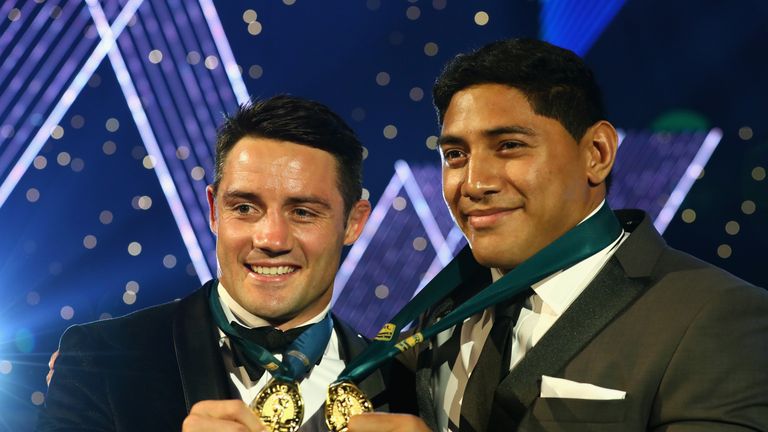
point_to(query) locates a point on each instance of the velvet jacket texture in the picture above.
(143, 372)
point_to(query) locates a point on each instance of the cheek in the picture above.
(319, 241)
(552, 186)
(233, 236)
(528, 178)
(451, 187)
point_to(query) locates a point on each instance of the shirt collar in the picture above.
(560, 289)
(238, 314)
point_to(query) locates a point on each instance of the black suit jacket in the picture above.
(143, 372)
(687, 341)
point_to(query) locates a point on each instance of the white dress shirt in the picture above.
(313, 388)
(552, 296)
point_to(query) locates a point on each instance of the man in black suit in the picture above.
(633, 335)
(286, 198)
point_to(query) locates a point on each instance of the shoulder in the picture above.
(644, 255)
(136, 331)
(131, 329)
(720, 322)
(689, 269)
(702, 282)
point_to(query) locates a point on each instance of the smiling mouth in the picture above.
(487, 219)
(272, 270)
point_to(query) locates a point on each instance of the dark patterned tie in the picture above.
(492, 366)
(273, 339)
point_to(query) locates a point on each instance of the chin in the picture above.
(494, 256)
(276, 321)
(483, 246)
(488, 259)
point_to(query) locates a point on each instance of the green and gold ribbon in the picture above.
(298, 357)
(580, 242)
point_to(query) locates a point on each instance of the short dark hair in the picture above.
(301, 121)
(557, 83)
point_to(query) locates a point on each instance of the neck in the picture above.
(303, 318)
(498, 273)
(235, 312)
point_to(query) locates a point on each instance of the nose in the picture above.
(481, 179)
(272, 234)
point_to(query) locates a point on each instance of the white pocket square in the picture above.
(552, 387)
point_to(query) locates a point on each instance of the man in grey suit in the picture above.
(284, 202)
(632, 336)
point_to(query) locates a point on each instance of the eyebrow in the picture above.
(488, 133)
(236, 194)
(309, 199)
(294, 200)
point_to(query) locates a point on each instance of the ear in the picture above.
(212, 220)
(356, 220)
(601, 142)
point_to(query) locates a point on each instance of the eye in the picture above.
(452, 154)
(303, 213)
(510, 145)
(454, 157)
(243, 209)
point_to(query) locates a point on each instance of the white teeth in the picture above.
(270, 271)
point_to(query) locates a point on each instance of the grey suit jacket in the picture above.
(143, 372)
(686, 341)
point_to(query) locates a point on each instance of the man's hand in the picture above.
(51, 363)
(381, 422)
(222, 416)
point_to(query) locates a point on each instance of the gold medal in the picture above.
(344, 400)
(279, 406)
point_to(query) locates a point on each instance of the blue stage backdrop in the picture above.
(108, 113)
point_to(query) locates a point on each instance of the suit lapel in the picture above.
(195, 340)
(617, 285)
(431, 356)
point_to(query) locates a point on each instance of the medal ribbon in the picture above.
(298, 357)
(580, 242)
